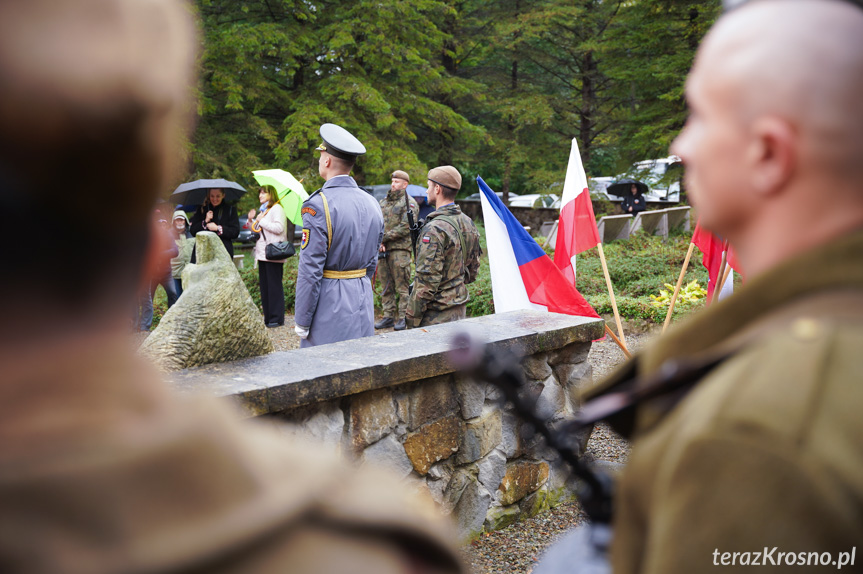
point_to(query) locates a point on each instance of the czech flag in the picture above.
(522, 275)
(576, 228)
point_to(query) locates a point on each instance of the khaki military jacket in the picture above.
(103, 471)
(763, 454)
(443, 269)
(396, 230)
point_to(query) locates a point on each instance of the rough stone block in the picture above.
(536, 367)
(402, 401)
(574, 439)
(522, 478)
(431, 400)
(455, 487)
(471, 396)
(433, 442)
(551, 400)
(438, 479)
(575, 379)
(570, 354)
(499, 517)
(534, 503)
(530, 391)
(481, 435)
(493, 395)
(388, 452)
(326, 425)
(373, 415)
(510, 442)
(471, 511)
(491, 470)
(215, 319)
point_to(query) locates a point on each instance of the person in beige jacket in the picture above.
(102, 470)
(272, 225)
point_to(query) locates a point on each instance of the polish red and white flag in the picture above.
(576, 228)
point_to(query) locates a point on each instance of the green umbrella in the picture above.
(291, 192)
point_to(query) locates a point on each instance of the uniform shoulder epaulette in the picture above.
(314, 193)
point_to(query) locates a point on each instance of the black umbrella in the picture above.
(622, 187)
(195, 192)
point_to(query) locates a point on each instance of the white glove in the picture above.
(302, 332)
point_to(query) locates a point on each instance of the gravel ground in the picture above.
(517, 549)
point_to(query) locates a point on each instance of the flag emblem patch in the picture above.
(426, 239)
(310, 210)
(305, 239)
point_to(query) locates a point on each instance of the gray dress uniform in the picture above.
(334, 305)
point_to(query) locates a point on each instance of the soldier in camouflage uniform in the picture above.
(448, 255)
(394, 265)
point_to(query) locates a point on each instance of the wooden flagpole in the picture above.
(718, 287)
(677, 287)
(728, 271)
(613, 300)
(619, 344)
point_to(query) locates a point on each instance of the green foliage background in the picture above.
(496, 88)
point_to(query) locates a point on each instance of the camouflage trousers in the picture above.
(394, 273)
(432, 317)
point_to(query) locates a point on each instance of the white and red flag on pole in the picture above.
(711, 248)
(576, 228)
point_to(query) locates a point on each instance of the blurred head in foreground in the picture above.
(93, 105)
(773, 146)
(104, 470)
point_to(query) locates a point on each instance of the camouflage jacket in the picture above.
(396, 232)
(442, 274)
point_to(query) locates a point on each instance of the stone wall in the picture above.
(394, 400)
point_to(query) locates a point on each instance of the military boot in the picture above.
(400, 325)
(384, 323)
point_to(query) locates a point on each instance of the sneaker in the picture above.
(384, 323)
(400, 326)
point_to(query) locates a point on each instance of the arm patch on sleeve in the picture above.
(310, 210)
(305, 241)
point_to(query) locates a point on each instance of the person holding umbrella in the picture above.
(272, 224)
(633, 202)
(219, 217)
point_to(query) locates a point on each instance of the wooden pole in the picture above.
(677, 287)
(728, 271)
(611, 294)
(718, 287)
(550, 233)
(619, 344)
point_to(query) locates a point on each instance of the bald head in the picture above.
(802, 61)
(773, 146)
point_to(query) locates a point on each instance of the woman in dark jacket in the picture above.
(634, 202)
(217, 216)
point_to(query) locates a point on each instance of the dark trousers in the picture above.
(272, 291)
